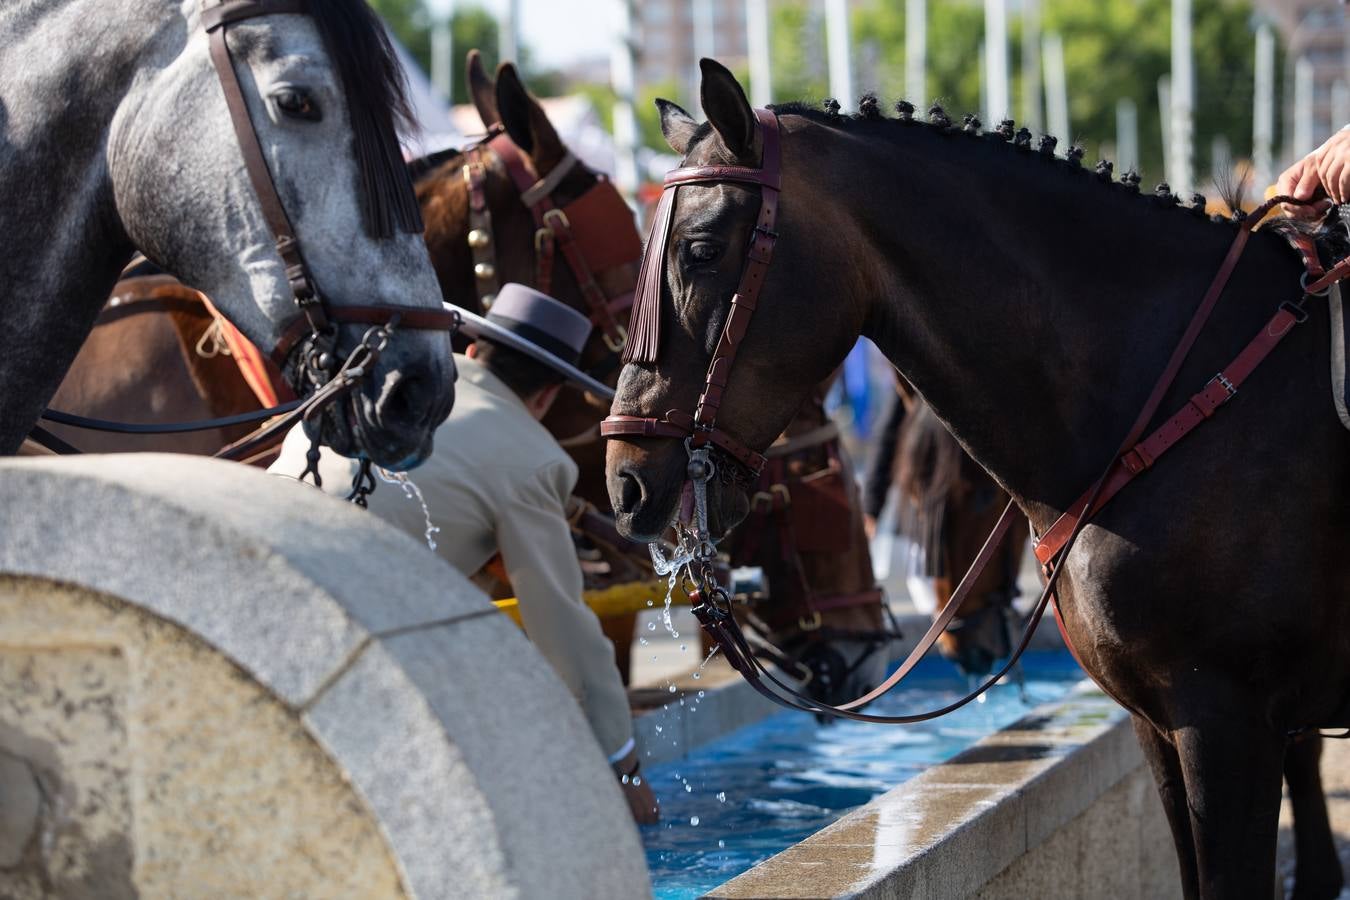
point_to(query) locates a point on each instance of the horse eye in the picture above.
(297, 104)
(700, 252)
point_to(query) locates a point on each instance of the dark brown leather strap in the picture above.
(481, 239)
(415, 317)
(679, 424)
(216, 17)
(554, 229)
(1222, 388)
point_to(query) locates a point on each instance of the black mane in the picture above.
(1233, 194)
(377, 97)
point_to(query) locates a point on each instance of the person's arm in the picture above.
(540, 559)
(1323, 174)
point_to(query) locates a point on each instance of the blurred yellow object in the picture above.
(621, 599)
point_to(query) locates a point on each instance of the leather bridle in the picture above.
(592, 231)
(315, 323)
(314, 329)
(700, 428)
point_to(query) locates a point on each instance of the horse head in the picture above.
(797, 336)
(519, 241)
(323, 93)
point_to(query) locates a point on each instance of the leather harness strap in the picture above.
(1138, 455)
(701, 428)
(480, 227)
(555, 230)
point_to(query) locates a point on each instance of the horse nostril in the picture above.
(408, 401)
(631, 496)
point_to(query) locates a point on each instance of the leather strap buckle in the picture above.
(809, 623)
(1303, 283)
(1228, 386)
(1296, 309)
(618, 341)
(559, 217)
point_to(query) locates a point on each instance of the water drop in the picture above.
(651, 626)
(721, 844)
(721, 796)
(698, 675)
(624, 779)
(693, 820)
(683, 648)
(642, 641)
(700, 695)
(637, 779)
(659, 729)
(688, 789)
(672, 688)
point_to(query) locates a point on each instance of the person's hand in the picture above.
(641, 800)
(869, 526)
(1323, 175)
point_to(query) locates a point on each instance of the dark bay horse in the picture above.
(953, 505)
(92, 165)
(1033, 303)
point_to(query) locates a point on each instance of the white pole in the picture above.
(841, 66)
(996, 60)
(1032, 104)
(508, 47)
(916, 51)
(757, 45)
(1304, 138)
(703, 45)
(622, 73)
(1165, 114)
(1127, 134)
(1056, 91)
(1340, 105)
(1263, 116)
(442, 58)
(1183, 99)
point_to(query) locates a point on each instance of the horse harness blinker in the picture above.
(711, 601)
(591, 231)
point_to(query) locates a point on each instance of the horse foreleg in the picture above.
(1232, 769)
(1317, 873)
(1166, 765)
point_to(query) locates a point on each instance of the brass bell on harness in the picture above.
(485, 271)
(479, 238)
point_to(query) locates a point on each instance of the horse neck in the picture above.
(1032, 305)
(65, 244)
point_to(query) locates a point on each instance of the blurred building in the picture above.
(671, 35)
(1318, 31)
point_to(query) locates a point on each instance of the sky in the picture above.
(558, 32)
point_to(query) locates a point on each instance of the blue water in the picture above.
(743, 798)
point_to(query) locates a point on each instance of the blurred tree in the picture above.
(470, 27)
(1112, 50)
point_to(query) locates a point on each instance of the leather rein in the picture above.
(711, 602)
(314, 330)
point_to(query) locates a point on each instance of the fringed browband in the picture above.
(644, 327)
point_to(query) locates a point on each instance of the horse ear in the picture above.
(677, 125)
(482, 89)
(727, 109)
(525, 121)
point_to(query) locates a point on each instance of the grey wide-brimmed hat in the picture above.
(546, 330)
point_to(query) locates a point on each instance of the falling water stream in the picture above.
(412, 492)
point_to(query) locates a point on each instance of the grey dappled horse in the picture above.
(114, 135)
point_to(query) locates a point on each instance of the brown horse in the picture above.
(1209, 596)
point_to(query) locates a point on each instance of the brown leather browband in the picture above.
(700, 427)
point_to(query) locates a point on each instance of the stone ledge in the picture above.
(954, 828)
(453, 731)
